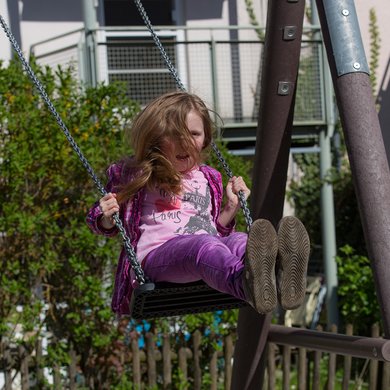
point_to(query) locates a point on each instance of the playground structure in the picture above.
(365, 148)
(363, 136)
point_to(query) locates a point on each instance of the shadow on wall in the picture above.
(204, 9)
(384, 112)
(51, 10)
(71, 10)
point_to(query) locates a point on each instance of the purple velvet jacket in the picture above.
(130, 214)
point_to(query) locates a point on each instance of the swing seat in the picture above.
(173, 299)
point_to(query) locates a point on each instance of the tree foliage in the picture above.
(52, 267)
(357, 299)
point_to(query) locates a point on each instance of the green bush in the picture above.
(357, 298)
(52, 266)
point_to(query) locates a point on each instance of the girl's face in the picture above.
(173, 150)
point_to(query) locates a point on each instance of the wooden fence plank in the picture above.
(151, 359)
(347, 362)
(136, 362)
(228, 354)
(271, 366)
(167, 362)
(24, 362)
(286, 367)
(374, 364)
(302, 371)
(72, 370)
(214, 371)
(57, 377)
(316, 378)
(183, 363)
(386, 376)
(38, 364)
(316, 385)
(197, 337)
(6, 352)
(332, 365)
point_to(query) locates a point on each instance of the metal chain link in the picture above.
(173, 71)
(131, 256)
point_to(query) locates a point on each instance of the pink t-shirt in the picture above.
(165, 216)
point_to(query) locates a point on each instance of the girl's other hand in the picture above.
(109, 206)
(236, 184)
(232, 205)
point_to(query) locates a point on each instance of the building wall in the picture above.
(32, 21)
(41, 19)
(35, 20)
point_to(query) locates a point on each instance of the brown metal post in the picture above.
(366, 151)
(279, 75)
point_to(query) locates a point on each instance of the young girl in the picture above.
(171, 206)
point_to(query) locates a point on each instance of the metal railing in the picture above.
(357, 346)
(225, 72)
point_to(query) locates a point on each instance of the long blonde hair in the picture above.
(164, 118)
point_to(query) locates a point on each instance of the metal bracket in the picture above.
(346, 41)
(289, 33)
(285, 88)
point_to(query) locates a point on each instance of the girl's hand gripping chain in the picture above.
(109, 206)
(232, 205)
(234, 186)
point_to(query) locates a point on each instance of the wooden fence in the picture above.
(164, 365)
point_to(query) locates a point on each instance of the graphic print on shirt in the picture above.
(167, 208)
(201, 203)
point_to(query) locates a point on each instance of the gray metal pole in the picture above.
(374, 348)
(273, 139)
(328, 225)
(328, 228)
(90, 24)
(366, 151)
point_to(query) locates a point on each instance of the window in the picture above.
(137, 62)
(131, 56)
(125, 13)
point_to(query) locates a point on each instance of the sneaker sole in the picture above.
(261, 252)
(294, 251)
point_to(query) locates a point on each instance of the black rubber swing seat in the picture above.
(153, 300)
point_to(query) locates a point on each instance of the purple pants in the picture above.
(218, 261)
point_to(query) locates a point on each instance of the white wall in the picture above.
(38, 20)
(58, 16)
(42, 19)
(5, 51)
(382, 8)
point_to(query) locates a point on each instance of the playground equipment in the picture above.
(365, 148)
(364, 143)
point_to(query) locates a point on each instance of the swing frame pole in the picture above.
(273, 140)
(363, 137)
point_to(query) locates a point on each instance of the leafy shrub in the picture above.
(52, 266)
(357, 298)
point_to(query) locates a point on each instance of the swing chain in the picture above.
(127, 243)
(173, 71)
